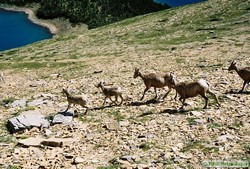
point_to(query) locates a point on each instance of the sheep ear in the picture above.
(171, 74)
(233, 62)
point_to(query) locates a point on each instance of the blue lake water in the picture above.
(17, 30)
(174, 3)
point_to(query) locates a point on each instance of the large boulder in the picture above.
(27, 120)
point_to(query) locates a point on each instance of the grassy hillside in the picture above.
(157, 32)
(193, 41)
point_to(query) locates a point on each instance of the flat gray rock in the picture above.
(36, 102)
(63, 118)
(21, 103)
(27, 120)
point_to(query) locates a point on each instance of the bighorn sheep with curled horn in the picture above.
(244, 73)
(192, 89)
(76, 100)
(110, 91)
(155, 80)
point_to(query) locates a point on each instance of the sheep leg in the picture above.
(183, 102)
(116, 97)
(144, 92)
(104, 101)
(215, 97)
(155, 93)
(175, 97)
(169, 90)
(87, 108)
(244, 84)
(206, 99)
(67, 108)
(121, 99)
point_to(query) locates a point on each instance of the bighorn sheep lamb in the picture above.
(244, 73)
(155, 80)
(76, 100)
(110, 91)
(192, 89)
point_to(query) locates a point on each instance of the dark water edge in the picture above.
(175, 3)
(17, 30)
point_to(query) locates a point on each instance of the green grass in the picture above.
(6, 138)
(147, 146)
(7, 101)
(200, 145)
(191, 120)
(108, 167)
(117, 115)
(214, 125)
(14, 167)
(11, 52)
(33, 65)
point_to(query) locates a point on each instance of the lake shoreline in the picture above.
(32, 17)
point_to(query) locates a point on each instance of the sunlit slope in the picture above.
(151, 34)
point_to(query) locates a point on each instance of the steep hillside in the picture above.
(194, 41)
(94, 13)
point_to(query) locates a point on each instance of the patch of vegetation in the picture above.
(108, 167)
(180, 60)
(11, 52)
(33, 65)
(117, 115)
(200, 145)
(247, 149)
(6, 139)
(87, 119)
(191, 120)
(7, 101)
(14, 167)
(214, 125)
(4, 136)
(147, 146)
(114, 164)
(93, 13)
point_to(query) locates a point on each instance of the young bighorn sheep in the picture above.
(155, 80)
(192, 89)
(110, 91)
(76, 100)
(244, 73)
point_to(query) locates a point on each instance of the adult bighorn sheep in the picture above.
(192, 89)
(244, 73)
(156, 80)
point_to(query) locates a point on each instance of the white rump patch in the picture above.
(203, 83)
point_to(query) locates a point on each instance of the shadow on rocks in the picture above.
(174, 111)
(146, 114)
(102, 107)
(235, 91)
(151, 101)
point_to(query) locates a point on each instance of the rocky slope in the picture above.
(193, 41)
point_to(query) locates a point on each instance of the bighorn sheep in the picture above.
(110, 91)
(192, 89)
(244, 73)
(155, 80)
(76, 100)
